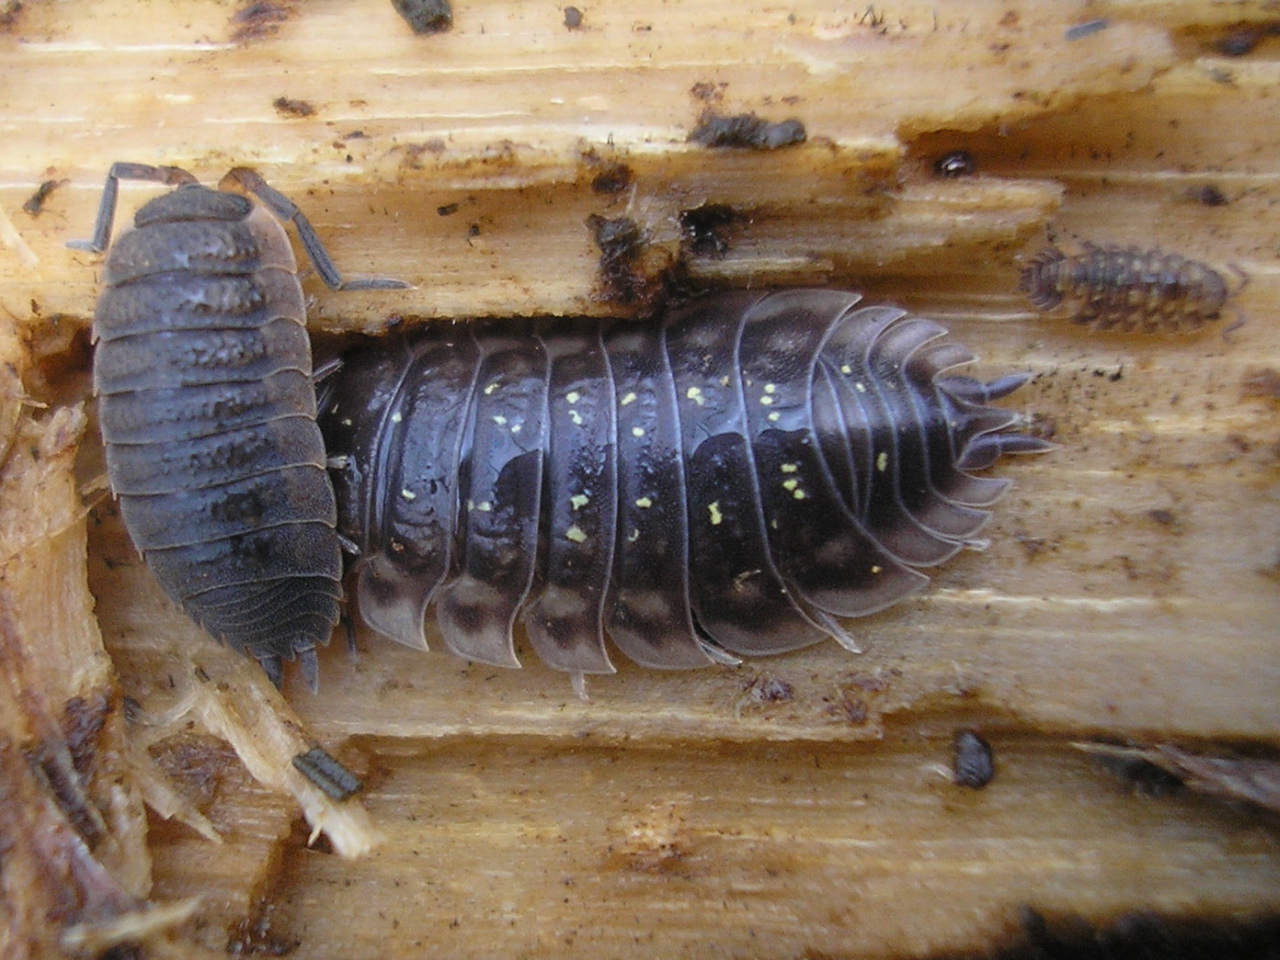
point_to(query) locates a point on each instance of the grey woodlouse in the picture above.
(207, 406)
(732, 481)
(1126, 288)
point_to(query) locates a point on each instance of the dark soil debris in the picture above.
(620, 241)
(425, 16)
(254, 21)
(972, 762)
(572, 18)
(746, 130)
(707, 229)
(35, 203)
(613, 178)
(1261, 382)
(1209, 195)
(708, 92)
(288, 107)
(10, 15)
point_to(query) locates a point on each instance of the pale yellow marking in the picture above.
(634, 535)
(876, 568)
(774, 416)
(860, 387)
(644, 503)
(346, 421)
(790, 484)
(774, 524)
(846, 369)
(724, 381)
(576, 417)
(396, 418)
(499, 419)
(573, 396)
(490, 388)
(575, 534)
(694, 394)
(408, 494)
(579, 500)
(770, 388)
(629, 398)
(515, 428)
(484, 506)
(882, 461)
(766, 400)
(637, 431)
(790, 467)
(471, 504)
(713, 508)
(799, 494)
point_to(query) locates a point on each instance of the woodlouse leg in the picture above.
(171, 176)
(286, 209)
(986, 449)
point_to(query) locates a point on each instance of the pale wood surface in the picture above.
(1132, 588)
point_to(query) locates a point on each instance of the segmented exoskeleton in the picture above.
(735, 480)
(1126, 288)
(207, 406)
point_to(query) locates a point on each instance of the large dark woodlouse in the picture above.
(1126, 288)
(732, 481)
(207, 406)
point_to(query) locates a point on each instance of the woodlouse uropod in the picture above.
(731, 481)
(207, 406)
(1126, 287)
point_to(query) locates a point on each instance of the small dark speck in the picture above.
(957, 163)
(1162, 517)
(10, 14)
(473, 230)
(425, 16)
(1209, 195)
(746, 130)
(614, 178)
(572, 18)
(1238, 42)
(289, 107)
(35, 203)
(447, 210)
(1082, 30)
(972, 762)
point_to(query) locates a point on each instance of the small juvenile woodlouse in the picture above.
(1126, 288)
(732, 481)
(207, 406)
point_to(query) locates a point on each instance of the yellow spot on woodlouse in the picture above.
(499, 419)
(576, 417)
(573, 396)
(408, 494)
(579, 500)
(724, 381)
(346, 421)
(515, 428)
(575, 534)
(484, 506)
(490, 388)
(774, 416)
(637, 431)
(799, 494)
(790, 484)
(396, 418)
(644, 503)
(695, 394)
(860, 387)
(876, 568)
(471, 504)
(766, 400)
(790, 467)
(634, 535)
(770, 388)
(846, 369)
(713, 508)
(882, 461)
(629, 398)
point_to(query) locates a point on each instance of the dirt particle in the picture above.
(572, 18)
(707, 229)
(746, 130)
(254, 21)
(10, 15)
(35, 203)
(613, 178)
(1238, 42)
(620, 241)
(766, 689)
(1086, 29)
(1261, 382)
(972, 762)
(425, 16)
(288, 107)
(447, 209)
(82, 723)
(957, 163)
(708, 92)
(1209, 195)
